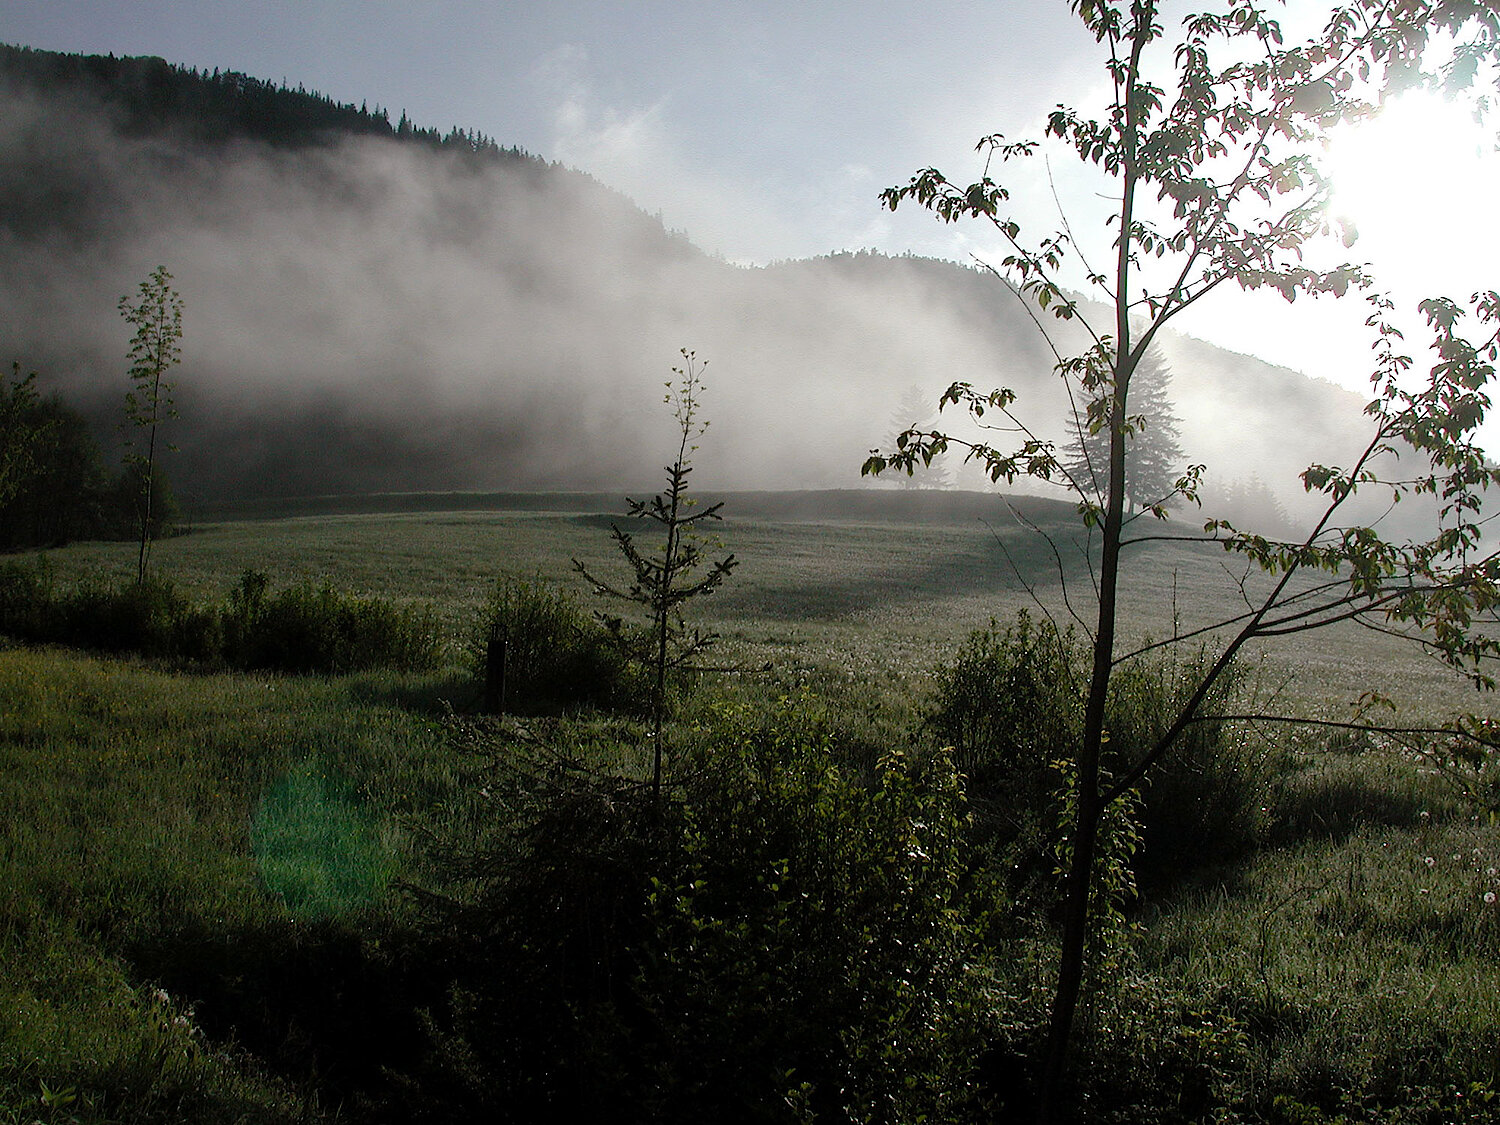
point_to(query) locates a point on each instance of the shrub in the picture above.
(307, 628)
(301, 629)
(26, 600)
(151, 617)
(779, 942)
(555, 655)
(819, 926)
(1011, 705)
(1206, 802)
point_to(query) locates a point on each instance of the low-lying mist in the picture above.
(369, 315)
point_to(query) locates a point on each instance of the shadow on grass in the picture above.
(975, 563)
(325, 1005)
(433, 696)
(1333, 802)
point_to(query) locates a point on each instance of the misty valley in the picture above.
(410, 713)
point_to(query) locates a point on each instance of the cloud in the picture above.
(378, 316)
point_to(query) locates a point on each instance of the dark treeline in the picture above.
(67, 491)
(154, 95)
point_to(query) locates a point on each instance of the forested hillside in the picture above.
(381, 307)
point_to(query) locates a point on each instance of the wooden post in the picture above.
(494, 672)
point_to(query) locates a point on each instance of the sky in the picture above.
(766, 130)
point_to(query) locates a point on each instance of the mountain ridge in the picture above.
(385, 308)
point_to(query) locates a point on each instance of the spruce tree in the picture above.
(914, 412)
(1153, 453)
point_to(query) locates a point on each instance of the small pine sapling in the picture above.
(665, 578)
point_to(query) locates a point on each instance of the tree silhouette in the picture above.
(154, 350)
(914, 412)
(1153, 454)
(1211, 157)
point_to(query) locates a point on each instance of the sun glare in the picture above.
(1420, 184)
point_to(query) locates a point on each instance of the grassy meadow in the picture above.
(228, 895)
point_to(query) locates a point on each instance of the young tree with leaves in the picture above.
(156, 315)
(21, 428)
(666, 578)
(1153, 453)
(1211, 155)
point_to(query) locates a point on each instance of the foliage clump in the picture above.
(1011, 706)
(780, 941)
(310, 628)
(553, 654)
(302, 628)
(54, 487)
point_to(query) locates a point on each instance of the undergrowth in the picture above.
(301, 628)
(253, 897)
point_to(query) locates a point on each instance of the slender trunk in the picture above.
(1079, 882)
(658, 702)
(664, 619)
(146, 487)
(1089, 809)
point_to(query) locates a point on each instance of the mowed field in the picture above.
(877, 583)
(205, 878)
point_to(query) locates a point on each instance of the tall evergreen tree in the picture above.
(914, 412)
(1153, 453)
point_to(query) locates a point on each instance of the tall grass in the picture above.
(202, 913)
(140, 808)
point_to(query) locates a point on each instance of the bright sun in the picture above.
(1422, 184)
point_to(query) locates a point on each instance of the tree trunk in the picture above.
(1080, 878)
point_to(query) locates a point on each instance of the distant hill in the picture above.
(378, 307)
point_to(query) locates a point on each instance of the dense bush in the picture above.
(27, 594)
(780, 942)
(1206, 802)
(152, 618)
(552, 654)
(300, 629)
(307, 628)
(1011, 706)
(66, 493)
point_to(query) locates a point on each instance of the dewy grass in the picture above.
(316, 846)
(151, 822)
(136, 805)
(1357, 961)
(125, 793)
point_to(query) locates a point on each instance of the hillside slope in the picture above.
(378, 307)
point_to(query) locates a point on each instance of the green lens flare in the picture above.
(316, 846)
